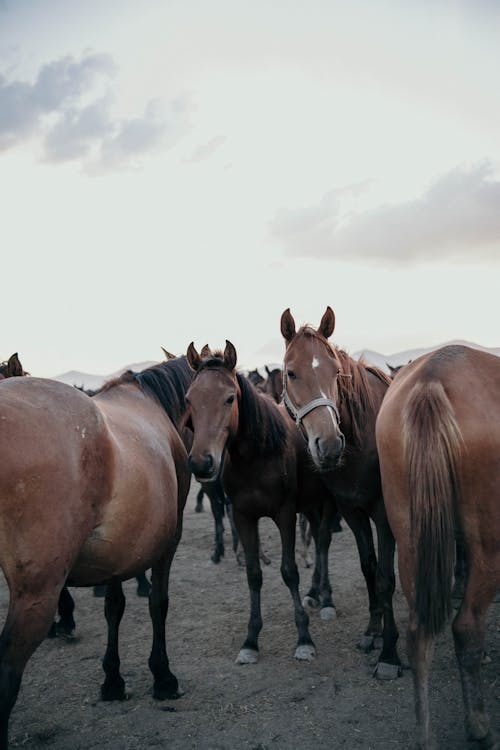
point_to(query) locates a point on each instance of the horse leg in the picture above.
(143, 585)
(388, 664)
(165, 685)
(286, 522)
(328, 611)
(359, 523)
(66, 624)
(218, 514)
(305, 539)
(28, 620)
(320, 593)
(113, 687)
(249, 537)
(199, 501)
(234, 533)
(312, 598)
(468, 633)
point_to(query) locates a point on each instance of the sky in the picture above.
(183, 170)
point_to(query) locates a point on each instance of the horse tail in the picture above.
(432, 446)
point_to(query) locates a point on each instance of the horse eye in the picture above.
(291, 374)
(230, 400)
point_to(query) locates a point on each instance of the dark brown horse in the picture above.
(335, 400)
(438, 437)
(92, 490)
(12, 368)
(246, 438)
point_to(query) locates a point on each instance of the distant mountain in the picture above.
(92, 382)
(402, 358)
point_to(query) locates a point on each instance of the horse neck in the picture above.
(261, 427)
(361, 391)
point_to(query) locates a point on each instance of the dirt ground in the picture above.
(277, 704)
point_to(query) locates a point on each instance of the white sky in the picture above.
(185, 170)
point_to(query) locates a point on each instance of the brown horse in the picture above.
(334, 401)
(92, 490)
(246, 438)
(438, 436)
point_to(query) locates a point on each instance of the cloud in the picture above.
(67, 110)
(458, 216)
(58, 85)
(207, 149)
(161, 125)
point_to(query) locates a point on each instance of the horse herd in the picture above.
(107, 476)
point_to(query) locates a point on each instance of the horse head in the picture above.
(311, 369)
(212, 408)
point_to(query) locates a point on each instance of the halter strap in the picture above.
(299, 414)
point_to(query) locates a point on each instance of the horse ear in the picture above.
(14, 367)
(287, 325)
(206, 352)
(268, 370)
(167, 354)
(193, 358)
(327, 325)
(230, 356)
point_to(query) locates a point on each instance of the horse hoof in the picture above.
(114, 693)
(68, 636)
(384, 671)
(366, 643)
(247, 656)
(167, 693)
(308, 602)
(328, 613)
(305, 652)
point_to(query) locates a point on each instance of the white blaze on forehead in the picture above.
(315, 363)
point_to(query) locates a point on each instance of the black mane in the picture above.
(168, 383)
(260, 419)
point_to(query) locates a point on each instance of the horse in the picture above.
(273, 384)
(256, 378)
(12, 368)
(438, 439)
(107, 477)
(334, 401)
(248, 440)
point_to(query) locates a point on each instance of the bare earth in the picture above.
(278, 704)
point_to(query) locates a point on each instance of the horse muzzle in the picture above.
(204, 468)
(327, 452)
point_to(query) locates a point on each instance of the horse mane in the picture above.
(260, 420)
(356, 394)
(167, 382)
